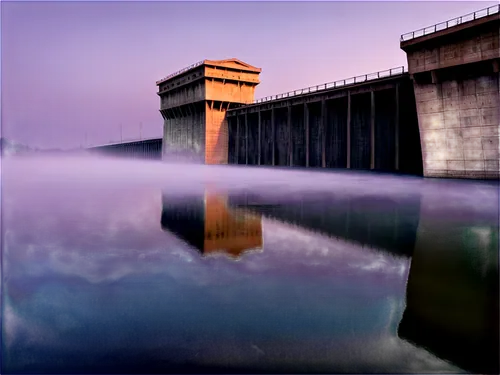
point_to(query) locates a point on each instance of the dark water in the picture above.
(140, 267)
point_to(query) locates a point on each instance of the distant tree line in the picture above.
(8, 147)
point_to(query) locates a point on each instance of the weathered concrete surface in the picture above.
(466, 43)
(184, 132)
(456, 82)
(194, 104)
(216, 141)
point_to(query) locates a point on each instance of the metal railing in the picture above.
(124, 141)
(450, 23)
(337, 84)
(180, 71)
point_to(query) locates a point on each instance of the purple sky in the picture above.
(71, 68)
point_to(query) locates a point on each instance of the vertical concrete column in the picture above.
(306, 126)
(259, 141)
(396, 131)
(237, 138)
(289, 124)
(246, 137)
(173, 139)
(195, 132)
(348, 129)
(273, 136)
(372, 130)
(324, 118)
(496, 66)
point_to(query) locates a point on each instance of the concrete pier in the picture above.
(455, 72)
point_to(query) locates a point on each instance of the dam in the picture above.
(437, 118)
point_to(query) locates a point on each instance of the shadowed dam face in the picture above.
(366, 126)
(131, 266)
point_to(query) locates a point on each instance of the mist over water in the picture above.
(130, 266)
(186, 178)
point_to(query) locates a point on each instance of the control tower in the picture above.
(193, 104)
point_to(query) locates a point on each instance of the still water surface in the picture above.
(119, 266)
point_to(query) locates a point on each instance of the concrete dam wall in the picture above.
(371, 125)
(439, 118)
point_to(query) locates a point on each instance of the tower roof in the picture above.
(227, 63)
(233, 63)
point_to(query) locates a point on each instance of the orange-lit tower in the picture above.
(193, 105)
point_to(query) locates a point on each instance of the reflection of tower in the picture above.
(211, 227)
(233, 231)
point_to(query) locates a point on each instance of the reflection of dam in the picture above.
(452, 303)
(453, 293)
(386, 223)
(207, 224)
